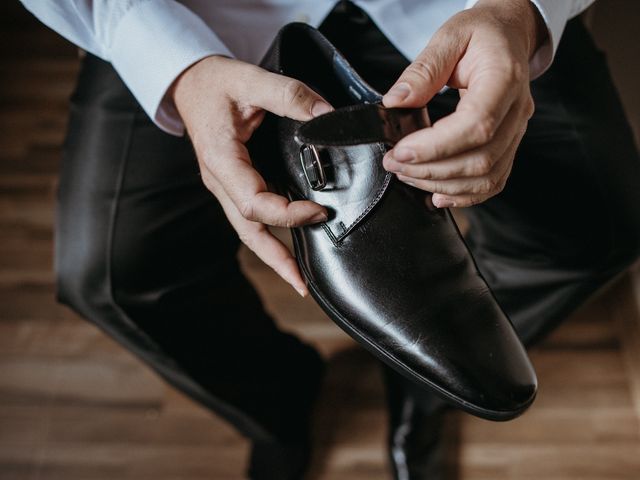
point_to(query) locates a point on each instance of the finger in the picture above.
(429, 72)
(472, 163)
(474, 124)
(284, 96)
(484, 186)
(276, 255)
(453, 187)
(266, 246)
(248, 191)
(462, 201)
(475, 163)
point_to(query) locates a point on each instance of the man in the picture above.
(146, 252)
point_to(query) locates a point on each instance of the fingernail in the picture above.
(403, 154)
(398, 93)
(320, 217)
(301, 292)
(443, 203)
(320, 108)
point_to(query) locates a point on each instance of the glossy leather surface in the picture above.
(388, 267)
(363, 123)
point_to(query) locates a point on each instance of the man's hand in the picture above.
(222, 101)
(466, 157)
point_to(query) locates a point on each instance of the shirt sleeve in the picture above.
(555, 14)
(149, 42)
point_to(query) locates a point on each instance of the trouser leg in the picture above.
(144, 251)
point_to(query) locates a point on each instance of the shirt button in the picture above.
(303, 17)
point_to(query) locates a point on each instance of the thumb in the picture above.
(287, 97)
(428, 73)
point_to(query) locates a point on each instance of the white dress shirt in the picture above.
(150, 42)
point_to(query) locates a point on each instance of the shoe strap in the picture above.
(361, 124)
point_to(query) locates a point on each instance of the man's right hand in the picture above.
(222, 101)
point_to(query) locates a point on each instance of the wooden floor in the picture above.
(75, 406)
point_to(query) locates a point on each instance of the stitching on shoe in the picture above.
(330, 234)
(336, 240)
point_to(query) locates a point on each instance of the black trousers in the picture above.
(144, 251)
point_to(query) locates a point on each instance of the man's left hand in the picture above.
(466, 157)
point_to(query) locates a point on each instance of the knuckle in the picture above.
(443, 187)
(483, 186)
(516, 72)
(423, 70)
(446, 174)
(482, 165)
(289, 223)
(425, 173)
(492, 185)
(246, 239)
(529, 106)
(477, 188)
(293, 92)
(485, 129)
(247, 210)
(434, 186)
(208, 182)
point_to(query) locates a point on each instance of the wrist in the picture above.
(194, 74)
(524, 16)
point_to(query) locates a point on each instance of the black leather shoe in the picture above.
(387, 267)
(417, 447)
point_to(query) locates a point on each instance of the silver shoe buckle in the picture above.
(312, 167)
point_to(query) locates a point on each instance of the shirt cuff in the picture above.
(154, 42)
(555, 14)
